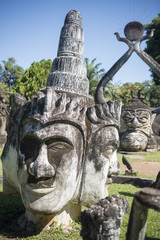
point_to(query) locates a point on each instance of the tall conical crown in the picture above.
(69, 71)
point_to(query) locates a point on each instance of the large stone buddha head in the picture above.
(61, 146)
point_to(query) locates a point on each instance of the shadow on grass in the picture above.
(11, 208)
(127, 194)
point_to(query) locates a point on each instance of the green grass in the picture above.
(147, 157)
(153, 227)
(12, 207)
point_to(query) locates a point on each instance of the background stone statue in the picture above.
(135, 130)
(61, 146)
(136, 115)
(4, 117)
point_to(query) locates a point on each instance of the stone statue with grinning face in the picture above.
(61, 145)
(136, 121)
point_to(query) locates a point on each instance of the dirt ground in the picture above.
(145, 168)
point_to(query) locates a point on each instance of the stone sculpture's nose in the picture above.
(41, 167)
(135, 123)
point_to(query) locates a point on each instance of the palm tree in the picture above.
(94, 74)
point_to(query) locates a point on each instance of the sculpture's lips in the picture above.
(40, 182)
(40, 190)
(40, 186)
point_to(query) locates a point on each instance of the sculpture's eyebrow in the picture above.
(50, 140)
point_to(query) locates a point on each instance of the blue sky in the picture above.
(30, 31)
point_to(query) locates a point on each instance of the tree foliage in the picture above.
(94, 74)
(10, 72)
(130, 90)
(33, 79)
(4, 93)
(154, 95)
(127, 91)
(153, 44)
(112, 91)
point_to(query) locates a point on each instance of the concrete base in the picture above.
(36, 222)
(135, 181)
(71, 212)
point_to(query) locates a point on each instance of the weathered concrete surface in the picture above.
(143, 200)
(103, 220)
(135, 130)
(61, 146)
(4, 117)
(135, 181)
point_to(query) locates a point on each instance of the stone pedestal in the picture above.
(36, 222)
(147, 198)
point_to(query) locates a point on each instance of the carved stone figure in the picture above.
(134, 36)
(61, 146)
(103, 220)
(4, 115)
(143, 200)
(156, 126)
(136, 121)
(101, 156)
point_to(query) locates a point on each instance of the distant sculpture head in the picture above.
(136, 116)
(136, 121)
(61, 147)
(4, 115)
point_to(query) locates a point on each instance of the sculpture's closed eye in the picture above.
(60, 146)
(109, 149)
(56, 149)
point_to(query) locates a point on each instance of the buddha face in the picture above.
(101, 162)
(105, 148)
(49, 171)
